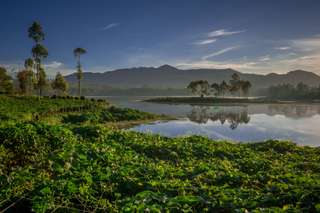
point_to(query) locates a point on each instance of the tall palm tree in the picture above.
(39, 51)
(77, 53)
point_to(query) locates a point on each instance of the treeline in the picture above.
(236, 86)
(33, 79)
(288, 91)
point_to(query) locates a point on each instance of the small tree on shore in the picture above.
(200, 87)
(245, 87)
(216, 89)
(77, 53)
(235, 84)
(224, 87)
(59, 84)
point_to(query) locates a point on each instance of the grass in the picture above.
(77, 164)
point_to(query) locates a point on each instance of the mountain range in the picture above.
(167, 76)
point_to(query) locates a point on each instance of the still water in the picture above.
(246, 123)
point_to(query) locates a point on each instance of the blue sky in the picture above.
(250, 36)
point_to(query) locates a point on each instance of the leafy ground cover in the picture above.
(48, 168)
(70, 110)
(78, 164)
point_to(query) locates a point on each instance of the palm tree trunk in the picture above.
(79, 87)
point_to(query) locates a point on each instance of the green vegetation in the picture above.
(290, 92)
(58, 154)
(67, 110)
(202, 87)
(90, 168)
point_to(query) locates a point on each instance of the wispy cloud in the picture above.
(53, 65)
(218, 65)
(283, 48)
(223, 32)
(206, 41)
(220, 52)
(264, 58)
(109, 26)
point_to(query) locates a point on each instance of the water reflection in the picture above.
(294, 110)
(253, 122)
(202, 114)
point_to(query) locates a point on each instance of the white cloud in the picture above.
(283, 48)
(220, 52)
(223, 32)
(217, 65)
(264, 58)
(53, 65)
(109, 26)
(207, 41)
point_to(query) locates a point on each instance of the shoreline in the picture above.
(218, 100)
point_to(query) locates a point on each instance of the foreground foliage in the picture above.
(90, 168)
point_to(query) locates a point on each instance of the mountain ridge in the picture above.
(167, 76)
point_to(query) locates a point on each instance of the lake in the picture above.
(244, 123)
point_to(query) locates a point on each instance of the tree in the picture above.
(199, 87)
(59, 84)
(235, 84)
(245, 87)
(216, 88)
(6, 85)
(224, 87)
(42, 81)
(77, 53)
(22, 79)
(28, 76)
(39, 52)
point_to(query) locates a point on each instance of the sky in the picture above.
(253, 36)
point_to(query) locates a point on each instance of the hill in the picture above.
(167, 76)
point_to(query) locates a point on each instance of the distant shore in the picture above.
(221, 100)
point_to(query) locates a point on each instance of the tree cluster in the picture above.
(236, 86)
(289, 91)
(33, 76)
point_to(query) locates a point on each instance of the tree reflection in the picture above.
(202, 114)
(294, 110)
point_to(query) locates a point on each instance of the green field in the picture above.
(73, 162)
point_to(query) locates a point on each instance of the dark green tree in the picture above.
(42, 81)
(245, 87)
(224, 87)
(6, 83)
(77, 53)
(200, 87)
(60, 85)
(235, 84)
(216, 89)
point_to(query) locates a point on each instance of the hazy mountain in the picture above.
(167, 76)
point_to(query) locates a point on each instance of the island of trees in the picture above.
(236, 86)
